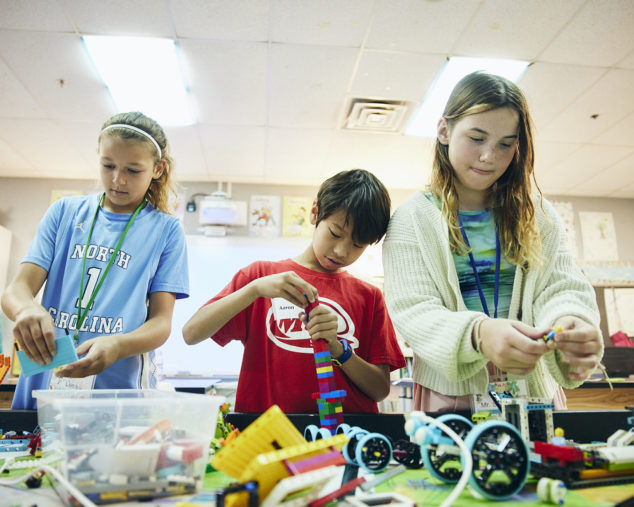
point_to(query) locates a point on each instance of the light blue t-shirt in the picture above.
(152, 258)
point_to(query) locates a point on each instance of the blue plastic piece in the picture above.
(65, 354)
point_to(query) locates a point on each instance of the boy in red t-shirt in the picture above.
(263, 308)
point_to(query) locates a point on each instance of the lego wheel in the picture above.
(373, 452)
(500, 460)
(313, 432)
(408, 454)
(355, 434)
(445, 465)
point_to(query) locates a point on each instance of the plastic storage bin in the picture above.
(128, 444)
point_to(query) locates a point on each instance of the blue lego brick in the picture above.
(65, 354)
(339, 393)
(540, 406)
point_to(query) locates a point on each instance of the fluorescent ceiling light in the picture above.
(425, 120)
(142, 74)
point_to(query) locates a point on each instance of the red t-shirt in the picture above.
(278, 366)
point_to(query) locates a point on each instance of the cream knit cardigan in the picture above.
(424, 301)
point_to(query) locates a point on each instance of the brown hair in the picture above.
(511, 194)
(160, 189)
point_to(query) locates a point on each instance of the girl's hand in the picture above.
(35, 334)
(581, 345)
(323, 325)
(99, 352)
(511, 345)
(288, 285)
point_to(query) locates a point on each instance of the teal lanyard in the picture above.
(82, 317)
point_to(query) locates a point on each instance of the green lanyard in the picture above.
(82, 317)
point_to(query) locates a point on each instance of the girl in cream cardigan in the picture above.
(476, 269)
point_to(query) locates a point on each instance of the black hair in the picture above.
(364, 199)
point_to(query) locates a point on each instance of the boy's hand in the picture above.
(512, 346)
(288, 285)
(580, 344)
(323, 325)
(99, 352)
(35, 334)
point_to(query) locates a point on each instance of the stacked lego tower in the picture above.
(328, 398)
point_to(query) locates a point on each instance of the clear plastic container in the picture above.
(128, 444)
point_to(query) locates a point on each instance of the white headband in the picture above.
(140, 131)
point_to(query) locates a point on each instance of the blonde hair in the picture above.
(162, 188)
(514, 209)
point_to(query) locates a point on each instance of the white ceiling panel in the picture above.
(550, 88)
(147, 18)
(234, 152)
(583, 164)
(13, 164)
(504, 29)
(621, 133)
(15, 101)
(400, 162)
(245, 20)
(270, 81)
(40, 15)
(85, 142)
(611, 99)
(610, 179)
(600, 34)
(547, 157)
(423, 27)
(305, 84)
(624, 192)
(41, 59)
(44, 146)
(227, 81)
(316, 22)
(397, 76)
(186, 150)
(627, 62)
(297, 155)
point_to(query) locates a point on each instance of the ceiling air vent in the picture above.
(372, 115)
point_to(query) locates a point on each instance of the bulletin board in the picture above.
(212, 264)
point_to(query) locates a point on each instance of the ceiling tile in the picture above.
(40, 60)
(503, 29)
(147, 18)
(306, 84)
(397, 76)
(425, 27)
(15, 100)
(328, 22)
(43, 145)
(549, 155)
(245, 20)
(610, 179)
(11, 162)
(226, 81)
(399, 161)
(621, 133)
(234, 153)
(36, 15)
(583, 164)
(624, 192)
(297, 156)
(550, 88)
(186, 150)
(600, 34)
(627, 62)
(611, 98)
